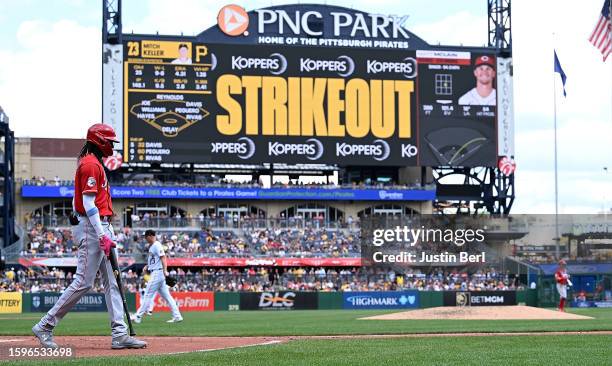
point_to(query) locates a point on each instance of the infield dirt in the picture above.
(518, 312)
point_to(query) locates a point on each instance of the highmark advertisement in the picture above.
(381, 300)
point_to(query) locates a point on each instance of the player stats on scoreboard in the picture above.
(166, 91)
(457, 108)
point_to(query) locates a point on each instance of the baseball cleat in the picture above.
(44, 336)
(135, 318)
(175, 320)
(149, 313)
(126, 341)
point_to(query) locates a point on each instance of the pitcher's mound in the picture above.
(481, 313)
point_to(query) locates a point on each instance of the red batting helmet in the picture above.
(562, 262)
(103, 137)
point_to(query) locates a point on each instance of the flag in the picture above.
(601, 37)
(561, 72)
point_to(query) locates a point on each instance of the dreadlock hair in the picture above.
(90, 148)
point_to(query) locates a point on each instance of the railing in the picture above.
(198, 223)
(48, 221)
(238, 223)
(12, 251)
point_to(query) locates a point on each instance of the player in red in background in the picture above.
(92, 229)
(563, 281)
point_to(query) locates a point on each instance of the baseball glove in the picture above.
(170, 281)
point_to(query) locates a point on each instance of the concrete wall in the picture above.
(64, 168)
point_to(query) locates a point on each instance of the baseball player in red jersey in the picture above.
(93, 208)
(563, 281)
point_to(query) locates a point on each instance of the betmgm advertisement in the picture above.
(223, 98)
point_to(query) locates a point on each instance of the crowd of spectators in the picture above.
(277, 241)
(42, 181)
(258, 279)
(58, 242)
(281, 242)
(595, 256)
(203, 243)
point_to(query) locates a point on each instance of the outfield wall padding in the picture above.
(330, 300)
(27, 302)
(431, 299)
(225, 301)
(130, 299)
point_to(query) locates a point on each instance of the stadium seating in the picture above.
(263, 278)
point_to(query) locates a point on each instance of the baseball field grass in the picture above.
(583, 349)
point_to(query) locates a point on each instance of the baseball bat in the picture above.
(115, 266)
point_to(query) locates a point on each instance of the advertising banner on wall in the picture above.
(10, 302)
(186, 301)
(203, 193)
(381, 300)
(479, 298)
(278, 300)
(44, 301)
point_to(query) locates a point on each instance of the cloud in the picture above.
(533, 45)
(50, 86)
(462, 28)
(579, 192)
(583, 145)
(189, 17)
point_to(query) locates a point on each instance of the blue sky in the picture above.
(50, 77)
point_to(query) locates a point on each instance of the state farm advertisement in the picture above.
(186, 301)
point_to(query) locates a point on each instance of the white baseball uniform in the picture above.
(157, 283)
(473, 98)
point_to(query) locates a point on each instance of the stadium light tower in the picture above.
(500, 35)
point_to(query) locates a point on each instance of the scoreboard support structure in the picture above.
(481, 188)
(488, 187)
(111, 22)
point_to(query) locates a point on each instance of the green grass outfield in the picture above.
(298, 322)
(509, 350)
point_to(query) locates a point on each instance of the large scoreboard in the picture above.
(277, 85)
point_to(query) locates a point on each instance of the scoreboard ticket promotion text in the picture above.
(230, 96)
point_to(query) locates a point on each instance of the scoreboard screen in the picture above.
(457, 108)
(211, 103)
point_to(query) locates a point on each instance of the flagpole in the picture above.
(557, 238)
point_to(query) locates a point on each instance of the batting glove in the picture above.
(106, 244)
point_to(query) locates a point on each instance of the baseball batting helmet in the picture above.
(562, 262)
(103, 137)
